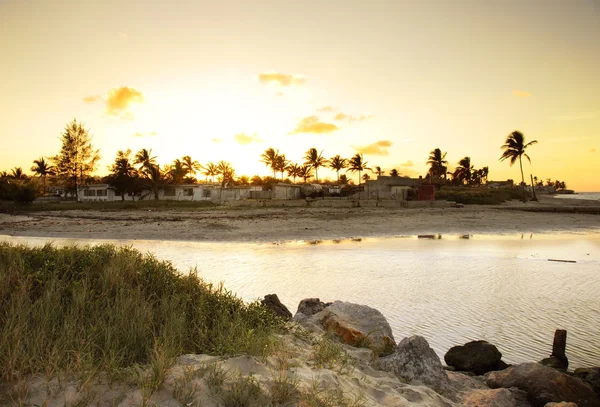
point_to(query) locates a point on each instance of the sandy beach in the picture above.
(284, 224)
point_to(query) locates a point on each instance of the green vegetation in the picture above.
(90, 309)
(108, 206)
(478, 196)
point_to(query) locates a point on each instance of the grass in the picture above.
(81, 310)
(479, 195)
(332, 355)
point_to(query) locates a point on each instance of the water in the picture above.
(450, 290)
(588, 196)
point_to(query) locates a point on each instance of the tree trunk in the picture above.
(522, 178)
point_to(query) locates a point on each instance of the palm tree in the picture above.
(437, 163)
(177, 171)
(226, 171)
(190, 166)
(154, 178)
(281, 164)
(378, 171)
(123, 176)
(356, 164)
(514, 147)
(17, 173)
(144, 159)
(210, 170)
(269, 158)
(315, 159)
(366, 177)
(394, 172)
(43, 168)
(464, 171)
(305, 172)
(293, 171)
(337, 164)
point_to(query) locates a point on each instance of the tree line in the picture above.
(131, 173)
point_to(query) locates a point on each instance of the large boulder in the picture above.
(415, 362)
(357, 325)
(478, 357)
(271, 301)
(512, 397)
(544, 385)
(590, 375)
(561, 404)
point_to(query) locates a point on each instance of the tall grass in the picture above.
(41, 205)
(478, 195)
(102, 308)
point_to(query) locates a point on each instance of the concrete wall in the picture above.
(285, 192)
(93, 191)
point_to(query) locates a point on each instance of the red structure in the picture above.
(426, 193)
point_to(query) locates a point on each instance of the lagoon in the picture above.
(511, 290)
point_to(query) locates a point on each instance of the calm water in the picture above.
(451, 290)
(591, 196)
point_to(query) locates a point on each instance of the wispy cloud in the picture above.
(245, 139)
(378, 148)
(312, 124)
(521, 93)
(118, 101)
(139, 134)
(326, 109)
(350, 118)
(281, 78)
(408, 163)
(92, 99)
(592, 150)
(216, 140)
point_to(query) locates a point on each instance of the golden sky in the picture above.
(225, 80)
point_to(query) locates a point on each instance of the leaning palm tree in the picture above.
(356, 164)
(437, 163)
(43, 168)
(144, 159)
(190, 166)
(225, 172)
(293, 171)
(514, 147)
(315, 159)
(210, 170)
(269, 158)
(378, 171)
(337, 164)
(305, 172)
(464, 172)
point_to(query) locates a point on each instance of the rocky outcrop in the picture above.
(310, 306)
(561, 404)
(415, 362)
(271, 301)
(590, 375)
(357, 325)
(477, 357)
(544, 385)
(512, 397)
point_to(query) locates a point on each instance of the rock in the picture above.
(512, 397)
(544, 385)
(271, 301)
(478, 357)
(558, 358)
(416, 363)
(561, 404)
(590, 375)
(357, 325)
(310, 306)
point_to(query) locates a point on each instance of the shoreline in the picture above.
(269, 225)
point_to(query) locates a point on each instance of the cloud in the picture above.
(138, 134)
(408, 163)
(92, 99)
(359, 118)
(326, 109)
(245, 139)
(281, 78)
(521, 93)
(593, 150)
(279, 94)
(378, 148)
(119, 100)
(217, 140)
(311, 124)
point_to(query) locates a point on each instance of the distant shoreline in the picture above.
(291, 224)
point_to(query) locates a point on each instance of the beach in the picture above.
(288, 224)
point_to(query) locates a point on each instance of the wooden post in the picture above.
(559, 347)
(533, 188)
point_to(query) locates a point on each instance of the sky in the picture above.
(227, 79)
